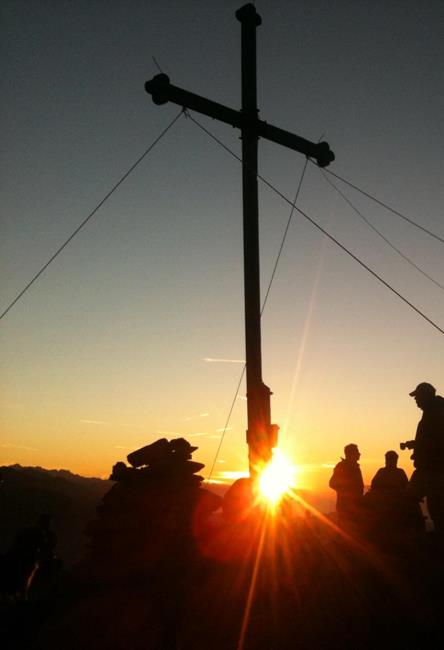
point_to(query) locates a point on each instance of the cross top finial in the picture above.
(248, 14)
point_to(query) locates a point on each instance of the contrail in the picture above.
(211, 360)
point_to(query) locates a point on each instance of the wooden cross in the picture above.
(261, 434)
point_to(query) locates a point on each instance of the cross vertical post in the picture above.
(258, 394)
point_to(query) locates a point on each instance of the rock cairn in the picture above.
(147, 519)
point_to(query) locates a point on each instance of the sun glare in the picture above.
(277, 478)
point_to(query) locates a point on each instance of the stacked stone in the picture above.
(147, 518)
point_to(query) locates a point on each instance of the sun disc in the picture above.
(277, 478)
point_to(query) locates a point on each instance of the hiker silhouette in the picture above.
(349, 486)
(31, 552)
(390, 510)
(428, 453)
(391, 480)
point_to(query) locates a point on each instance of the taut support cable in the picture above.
(384, 205)
(91, 214)
(325, 232)
(379, 233)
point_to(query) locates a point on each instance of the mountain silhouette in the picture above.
(70, 499)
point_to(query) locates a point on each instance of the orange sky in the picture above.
(61, 438)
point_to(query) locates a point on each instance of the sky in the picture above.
(136, 330)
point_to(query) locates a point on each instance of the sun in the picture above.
(277, 478)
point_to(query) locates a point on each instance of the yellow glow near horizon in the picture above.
(277, 478)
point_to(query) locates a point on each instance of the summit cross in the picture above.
(261, 434)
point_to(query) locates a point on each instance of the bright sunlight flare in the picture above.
(277, 478)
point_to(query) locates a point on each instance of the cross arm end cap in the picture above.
(157, 87)
(324, 155)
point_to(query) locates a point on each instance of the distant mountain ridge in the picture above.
(63, 473)
(70, 499)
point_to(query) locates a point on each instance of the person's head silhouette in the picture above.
(391, 459)
(424, 394)
(352, 452)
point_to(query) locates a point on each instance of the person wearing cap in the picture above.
(349, 486)
(428, 452)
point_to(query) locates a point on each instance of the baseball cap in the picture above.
(423, 389)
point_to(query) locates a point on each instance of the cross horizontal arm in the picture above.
(162, 91)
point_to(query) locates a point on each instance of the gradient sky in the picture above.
(107, 351)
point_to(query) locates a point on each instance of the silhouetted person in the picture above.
(391, 480)
(348, 485)
(428, 452)
(31, 549)
(390, 510)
